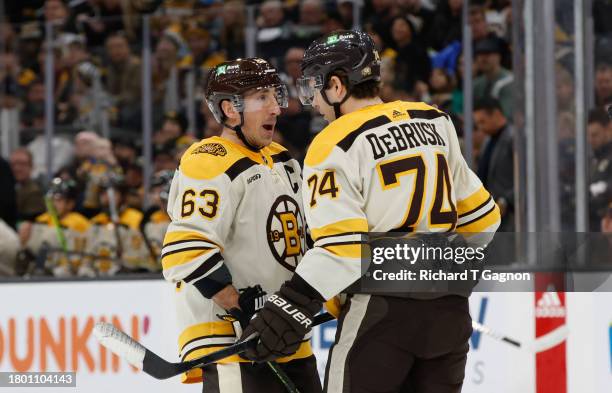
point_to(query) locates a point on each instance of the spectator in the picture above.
(202, 55)
(294, 121)
(123, 79)
(8, 202)
(57, 11)
(312, 16)
(98, 19)
(273, 35)
(232, 31)
(412, 64)
(332, 22)
(125, 151)
(345, 10)
(599, 133)
(95, 170)
(495, 165)
(12, 72)
(30, 202)
(164, 64)
(30, 39)
(447, 25)
(173, 128)
(481, 31)
(34, 102)
(494, 80)
(603, 84)
(421, 15)
(442, 86)
(381, 18)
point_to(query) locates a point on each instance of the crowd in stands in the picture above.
(97, 52)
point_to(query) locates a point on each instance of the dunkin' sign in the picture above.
(63, 343)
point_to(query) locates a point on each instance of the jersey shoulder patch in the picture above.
(421, 110)
(212, 157)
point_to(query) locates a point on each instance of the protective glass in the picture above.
(307, 86)
(263, 97)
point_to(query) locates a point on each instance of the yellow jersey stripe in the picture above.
(481, 223)
(196, 332)
(341, 227)
(181, 257)
(478, 198)
(195, 375)
(184, 236)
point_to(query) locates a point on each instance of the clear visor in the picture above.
(263, 98)
(307, 86)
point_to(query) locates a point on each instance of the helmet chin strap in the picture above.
(242, 137)
(335, 105)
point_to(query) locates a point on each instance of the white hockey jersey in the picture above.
(230, 206)
(44, 235)
(389, 167)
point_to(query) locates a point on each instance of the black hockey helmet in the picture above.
(353, 52)
(63, 187)
(230, 80)
(163, 179)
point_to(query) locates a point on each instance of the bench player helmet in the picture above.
(65, 188)
(232, 79)
(352, 52)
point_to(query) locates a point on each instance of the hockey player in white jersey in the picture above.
(237, 224)
(377, 167)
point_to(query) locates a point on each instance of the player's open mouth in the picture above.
(268, 127)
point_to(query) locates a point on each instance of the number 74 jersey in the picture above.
(389, 167)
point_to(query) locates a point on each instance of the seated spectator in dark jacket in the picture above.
(30, 196)
(599, 134)
(412, 63)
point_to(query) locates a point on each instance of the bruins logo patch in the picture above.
(215, 149)
(286, 235)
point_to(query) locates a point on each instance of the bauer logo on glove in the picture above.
(289, 309)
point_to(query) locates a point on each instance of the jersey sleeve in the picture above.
(478, 216)
(333, 205)
(202, 212)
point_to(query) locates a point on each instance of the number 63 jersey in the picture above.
(237, 218)
(388, 167)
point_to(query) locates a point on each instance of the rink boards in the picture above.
(47, 326)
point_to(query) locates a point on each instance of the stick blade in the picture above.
(120, 344)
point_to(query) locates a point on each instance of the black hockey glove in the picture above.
(251, 300)
(281, 324)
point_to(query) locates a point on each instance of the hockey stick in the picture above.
(140, 357)
(541, 344)
(56, 223)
